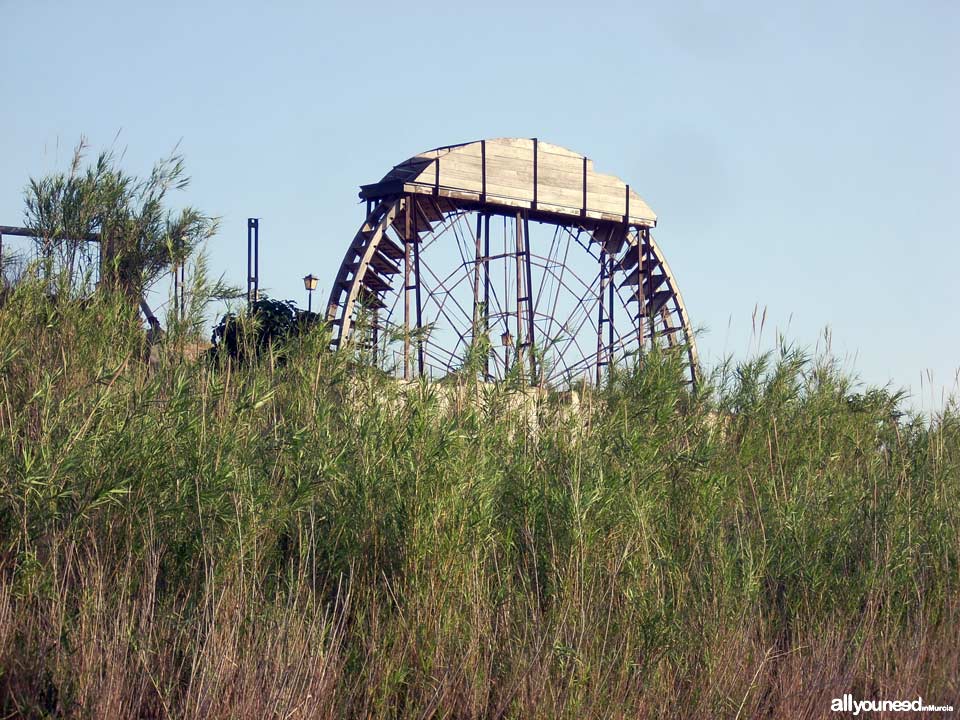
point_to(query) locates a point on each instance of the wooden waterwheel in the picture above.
(506, 256)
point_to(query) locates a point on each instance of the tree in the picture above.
(140, 238)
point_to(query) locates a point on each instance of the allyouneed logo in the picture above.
(848, 704)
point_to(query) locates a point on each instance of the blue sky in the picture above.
(801, 157)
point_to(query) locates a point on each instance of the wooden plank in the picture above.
(466, 195)
(374, 282)
(569, 173)
(370, 300)
(630, 261)
(389, 248)
(655, 302)
(510, 176)
(383, 265)
(514, 179)
(651, 282)
(550, 194)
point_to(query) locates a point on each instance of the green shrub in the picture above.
(265, 323)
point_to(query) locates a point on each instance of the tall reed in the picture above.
(309, 538)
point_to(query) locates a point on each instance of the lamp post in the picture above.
(310, 284)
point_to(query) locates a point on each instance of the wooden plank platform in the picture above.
(516, 172)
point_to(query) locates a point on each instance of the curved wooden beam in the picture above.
(355, 263)
(681, 312)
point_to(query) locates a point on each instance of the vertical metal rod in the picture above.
(249, 258)
(611, 287)
(176, 289)
(530, 319)
(416, 273)
(642, 236)
(486, 288)
(483, 171)
(477, 260)
(183, 290)
(253, 259)
(518, 343)
(583, 209)
(406, 288)
(600, 310)
(536, 148)
(256, 259)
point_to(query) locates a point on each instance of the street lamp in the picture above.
(310, 284)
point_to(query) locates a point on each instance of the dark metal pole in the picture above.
(406, 287)
(642, 235)
(310, 300)
(536, 148)
(253, 259)
(483, 171)
(486, 288)
(519, 341)
(183, 290)
(583, 210)
(176, 288)
(530, 319)
(477, 260)
(600, 309)
(416, 272)
(256, 259)
(611, 287)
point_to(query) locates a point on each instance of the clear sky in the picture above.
(802, 157)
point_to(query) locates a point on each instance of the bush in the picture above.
(265, 323)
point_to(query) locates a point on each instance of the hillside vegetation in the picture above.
(272, 539)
